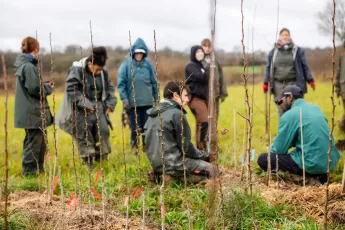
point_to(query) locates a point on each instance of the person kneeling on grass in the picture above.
(315, 138)
(173, 118)
(80, 80)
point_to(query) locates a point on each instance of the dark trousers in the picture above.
(142, 117)
(34, 150)
(286, 164)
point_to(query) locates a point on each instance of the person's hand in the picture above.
(126, 104)
(265, 87)
(51, 84)
(108, 112)
(91, 111)
(312, 85)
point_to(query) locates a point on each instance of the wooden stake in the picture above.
(332, 121)
(6, 140)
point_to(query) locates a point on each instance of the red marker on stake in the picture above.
(71, 199)
(96, 193)
(56, 179)
(97, 176)
(136, 193)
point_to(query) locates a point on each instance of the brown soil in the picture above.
(54, 216)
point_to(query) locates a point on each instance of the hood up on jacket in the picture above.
(193, 52)
(140, 44)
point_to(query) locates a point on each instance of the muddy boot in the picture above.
(168, 180)
(196, 179)
(153, 177)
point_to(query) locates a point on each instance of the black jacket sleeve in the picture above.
(196, 73)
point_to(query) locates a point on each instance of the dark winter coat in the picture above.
(28, 106)
(197, 76)
(303, 74)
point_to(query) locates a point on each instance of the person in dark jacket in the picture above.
(101, 99)
(174, 123)
(221, 91)
(197, 80)
(287, 65)
(145, 87)
(340, 87)
(315, 138)
(31, 109)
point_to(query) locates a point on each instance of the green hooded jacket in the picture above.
(315, 137)
(27, 107)
(172, 117)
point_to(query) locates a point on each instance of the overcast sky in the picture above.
(178, 23)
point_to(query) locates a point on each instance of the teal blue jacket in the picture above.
(315, 137)
(145, 82)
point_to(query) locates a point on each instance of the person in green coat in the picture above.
(71, 116)
(315, 138)
(174, 123)
(31, 109)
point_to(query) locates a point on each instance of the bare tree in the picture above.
(325, 24)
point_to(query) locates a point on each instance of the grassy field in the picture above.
(268, 216)
(239, 69)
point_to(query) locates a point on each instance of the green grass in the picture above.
(268, 216)
(230, 70)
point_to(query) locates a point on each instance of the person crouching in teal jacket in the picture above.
(315, 138)
(145, 87)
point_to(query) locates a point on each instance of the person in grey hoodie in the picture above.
(82, 74)
(174, 126)
(137, 68)
(286, 65)
(31, 109)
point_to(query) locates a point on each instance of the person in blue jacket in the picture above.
(287, 65)
(315, 138)
(139, 69)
